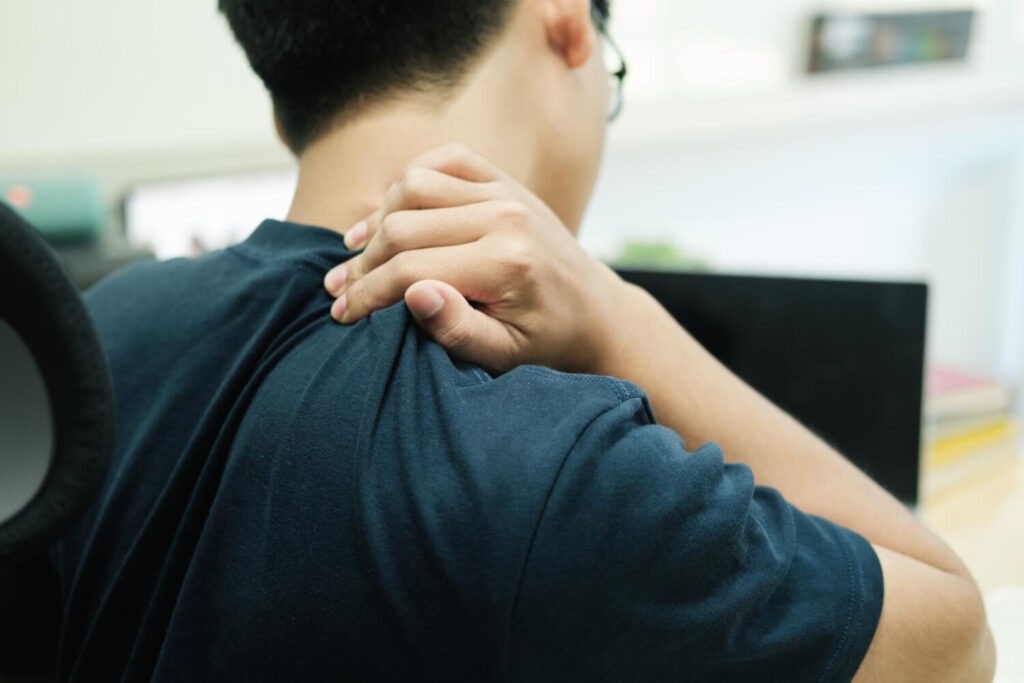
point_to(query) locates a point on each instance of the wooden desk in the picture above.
(983, 520)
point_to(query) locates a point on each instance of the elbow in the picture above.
(933, 627)
(985, 666)
(976, 644)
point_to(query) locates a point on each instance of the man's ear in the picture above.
(570, 30)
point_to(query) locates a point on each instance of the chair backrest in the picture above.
(56, 400)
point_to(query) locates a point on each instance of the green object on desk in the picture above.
(60, 207)
(659, 256)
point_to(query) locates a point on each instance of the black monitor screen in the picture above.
(844, 358)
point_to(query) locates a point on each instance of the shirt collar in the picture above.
(281, 240)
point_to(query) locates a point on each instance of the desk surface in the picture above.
(982, 519)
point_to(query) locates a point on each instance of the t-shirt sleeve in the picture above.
(651, 563)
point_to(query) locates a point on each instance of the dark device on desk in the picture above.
(845, 358)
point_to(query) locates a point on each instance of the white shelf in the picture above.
(822, 104)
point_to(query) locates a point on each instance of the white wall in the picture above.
(95, 79)
(98, 78)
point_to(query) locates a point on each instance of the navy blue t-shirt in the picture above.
(292, 499)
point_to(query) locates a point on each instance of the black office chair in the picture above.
(56, 400)
(56, 435)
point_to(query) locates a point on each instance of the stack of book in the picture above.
(970, 428)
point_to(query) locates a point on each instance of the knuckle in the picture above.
(356, 269)
(458, 150)
(511, 213)
(356, 296)
(415, 185)
(388, 235)
(404, 268)
(394, 194)
(521, 251)
(500, 188)
(363, 298)
(518, 269)
(518, 258)
(372, 226)
(416, 177)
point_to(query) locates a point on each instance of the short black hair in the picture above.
(322, 58)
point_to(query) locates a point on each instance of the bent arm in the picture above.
(932, 627)
(524, 272)
(933, 610)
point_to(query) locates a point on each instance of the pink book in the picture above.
(953, 393)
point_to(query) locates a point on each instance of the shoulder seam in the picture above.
(624, 391)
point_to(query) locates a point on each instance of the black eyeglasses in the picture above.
(612, 56)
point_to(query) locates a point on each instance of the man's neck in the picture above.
(345, 175)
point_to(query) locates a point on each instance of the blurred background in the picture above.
(733, 151)
(875, 140)
(729, 148)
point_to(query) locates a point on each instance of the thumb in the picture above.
(466, 333)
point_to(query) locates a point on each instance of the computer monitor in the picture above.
(845, 358)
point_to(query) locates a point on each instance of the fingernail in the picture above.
(339, 307)
(336, 279)
(356, 236)
(433, 302)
